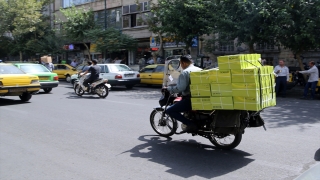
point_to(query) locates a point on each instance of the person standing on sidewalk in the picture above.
(282, 78)
(312, 81)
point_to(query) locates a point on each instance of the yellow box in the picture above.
(201, 103)
(248, 75)
(246, 89)
(200, 90)
(222, 102)
(224, 90)
(210, 76)
(233, 62)
(247, 103)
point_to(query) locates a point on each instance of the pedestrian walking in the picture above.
(312, 81)
(282, 78)
(74, 63)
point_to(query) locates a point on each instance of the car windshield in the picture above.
(10, 69)
(119, 68)
(33, 68)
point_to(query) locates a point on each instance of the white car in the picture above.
(117, 75)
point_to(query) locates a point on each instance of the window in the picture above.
(126, 9)
(10, 69)
(133, 8)
(69, 3)
(147, 70)
(132, 16)
(62, 67)
(126, 21)
(33, 68)
(114, 18)
(119, 68)
(159, 69)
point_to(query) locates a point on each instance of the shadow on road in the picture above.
(190, 158)
(148, 93)
(8, 102)
(317, 155)
(292, 112)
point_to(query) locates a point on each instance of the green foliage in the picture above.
(78, 22)
(111, 40)
(49, 44)
(181, 20)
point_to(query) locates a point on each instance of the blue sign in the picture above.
(71, 47)
(195, 42)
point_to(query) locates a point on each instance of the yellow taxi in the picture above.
(14, 82)
(152, 74)
(64, 71)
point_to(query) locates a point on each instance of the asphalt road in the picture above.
(60, 136)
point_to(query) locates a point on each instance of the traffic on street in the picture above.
(59, 135)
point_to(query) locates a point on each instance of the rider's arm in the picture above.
(182, 84)
(311, 70)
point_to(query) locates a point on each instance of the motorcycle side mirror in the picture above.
(174, 64)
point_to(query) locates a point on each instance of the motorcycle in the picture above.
(99, 87)
(223, 128)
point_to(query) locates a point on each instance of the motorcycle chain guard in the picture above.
(226, 121)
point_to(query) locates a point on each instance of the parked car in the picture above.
(64, 71)
(14, 82)
(48, 80)
(117, 75)
(152, 74)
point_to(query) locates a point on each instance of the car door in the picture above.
(60, 70)
(157, 75)
(146, 75)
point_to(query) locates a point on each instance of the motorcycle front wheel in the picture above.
(78, 90)
(165, 126)
(102, 91)
(227, 142)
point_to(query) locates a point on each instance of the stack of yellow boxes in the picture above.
(240, 83)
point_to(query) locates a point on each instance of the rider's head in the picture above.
(185, 61)
(94, 62)
(89, 63)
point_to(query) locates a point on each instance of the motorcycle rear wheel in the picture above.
(102, 91)
(226, 142)
(166, 127)
(78, 90)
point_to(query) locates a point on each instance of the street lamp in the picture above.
(105, 14)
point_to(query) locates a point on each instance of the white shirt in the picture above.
(314, 74)
(284, 71)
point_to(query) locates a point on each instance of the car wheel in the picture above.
(47, 90)
(68, 78)
(129, 86)
(25, 97)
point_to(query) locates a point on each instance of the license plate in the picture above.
(128, 75)
(43, 78)
(18, 90)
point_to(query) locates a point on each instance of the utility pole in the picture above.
(105, 14)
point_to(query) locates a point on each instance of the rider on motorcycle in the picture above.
(95, 71)
(183, 87)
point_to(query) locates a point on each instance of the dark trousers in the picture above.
(87, 81)
(281, 84)
(175, 110)
(311, 85)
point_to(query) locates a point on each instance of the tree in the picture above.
(111, 40)
(248, 21)
(79, 21)
(19, 21)
(181, 20)
(301, 30)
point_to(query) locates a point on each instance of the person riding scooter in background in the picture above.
(183, 86)
(94, 74)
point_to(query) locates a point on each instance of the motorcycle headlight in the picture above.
(34, 81)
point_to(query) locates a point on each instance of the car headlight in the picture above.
(34, 81)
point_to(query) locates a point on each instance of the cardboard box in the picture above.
(223, 90)
(210, 76)
(201, 103)
(248, 75)
(246, 89)
(46, 59)
(222, 103)
(233, 62)
(200, 90)
(247, 103)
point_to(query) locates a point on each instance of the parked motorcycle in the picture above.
(99, 87)
(223, 128)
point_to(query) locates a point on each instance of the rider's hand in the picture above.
(164, 89)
